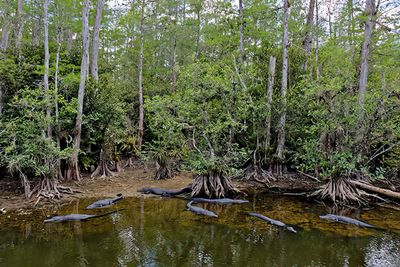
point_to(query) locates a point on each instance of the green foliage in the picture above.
(105, 120)
(213, 117)
(25, 149)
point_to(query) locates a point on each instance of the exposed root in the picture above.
(129, 163)
(213, 185)
(72, 172)
(254, 172)
(102, 169)
(341, 192)
(163, 171)
(25, 184)
(280, 169)
(118, 167)
(46, 188)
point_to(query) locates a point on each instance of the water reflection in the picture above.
(159, 232)
(384, 251)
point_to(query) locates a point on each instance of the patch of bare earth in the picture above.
(127, 183)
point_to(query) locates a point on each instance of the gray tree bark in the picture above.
(5, 28)
(351, 26)
(282, 119)
(46, 65)
(68, 38)
(4, 36)
(73, 169)
(306, 45)
(1, 97)
(20, 24)
(329, 20)
(241, 46)
(317, 71)
(36, 22)
(174, 44)
(198, 32)
(271, 78)
(362, 89)
(95, 42)
(59, 41)
(140, 81)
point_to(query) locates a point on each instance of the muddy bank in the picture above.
(132, 179)
(126, 182)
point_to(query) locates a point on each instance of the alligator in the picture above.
(165, 192)
(200, 211)
(105, 202)
(77, 217)
(272, 221)
(220, 200)
(344, 219)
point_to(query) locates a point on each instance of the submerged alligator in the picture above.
(165, 192)
(105, 202)
(272, 221)
(77, 217)
(344, 219)
(200, 211)
(219, 200)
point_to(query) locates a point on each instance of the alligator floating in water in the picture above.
(200, 211)
(105, 202)
(76, 217)
(344, 219)
(272, 221)
(165, 192)
(219, 200)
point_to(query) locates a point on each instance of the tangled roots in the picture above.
(340, 192)
(254, 172)
(163, 171)
(102, 169)
(213, 185)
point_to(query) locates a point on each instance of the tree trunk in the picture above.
(306, 45)
(329, 20)
(140, 81)
(95, 42)
(362, 89)
(317, 42)
(351, 25)
(46, 65)
(1, 97)
(72, 168)
(5, 28)
(371, 188)
(173, 58)
(20, 25)
(271, 76)
(69, 40)
(198, 33)
(36, 23)
(241, 46)
(58, 129)
(282, 119)
(4, 36)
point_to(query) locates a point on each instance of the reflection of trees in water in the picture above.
(383, 251)
(82, 261)
(159, 232)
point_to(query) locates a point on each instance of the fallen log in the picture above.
(378, 190)
(387, 206)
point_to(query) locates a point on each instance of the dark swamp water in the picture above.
(160, 232)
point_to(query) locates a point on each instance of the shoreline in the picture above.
(130, 180)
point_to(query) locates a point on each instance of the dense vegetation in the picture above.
(250, 90)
